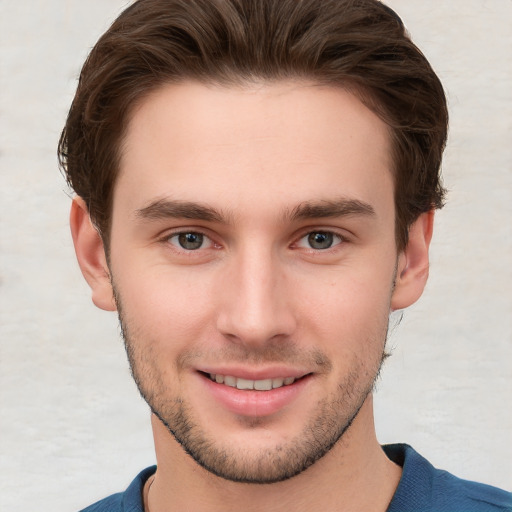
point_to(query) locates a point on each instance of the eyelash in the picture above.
(178, 245)
(336, 240)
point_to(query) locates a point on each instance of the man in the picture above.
(255, 182)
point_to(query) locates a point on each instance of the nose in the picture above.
(256, 299)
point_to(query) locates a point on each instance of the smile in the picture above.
(247, 384)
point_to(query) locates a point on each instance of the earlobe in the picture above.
(90, 253)
(413, 263)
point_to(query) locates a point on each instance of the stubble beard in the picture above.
(332, 419)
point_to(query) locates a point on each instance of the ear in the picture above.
(413, 263)
(90, 253)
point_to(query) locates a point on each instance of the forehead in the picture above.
(270, 144)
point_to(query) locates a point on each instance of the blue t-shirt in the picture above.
(422, 488)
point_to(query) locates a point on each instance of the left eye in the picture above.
(190, 241)
(320, 240)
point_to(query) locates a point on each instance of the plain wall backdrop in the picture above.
(72, 426)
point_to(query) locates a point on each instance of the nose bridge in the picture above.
(256, 306)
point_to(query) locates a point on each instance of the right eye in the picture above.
(190, 241)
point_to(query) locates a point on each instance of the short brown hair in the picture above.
(360, 45)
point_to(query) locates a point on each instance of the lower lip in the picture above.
(253, 403)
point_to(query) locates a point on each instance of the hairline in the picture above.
(237, 82)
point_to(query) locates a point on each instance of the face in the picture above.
(253, 258)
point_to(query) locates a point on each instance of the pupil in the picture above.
(190, 241)
(320, 240)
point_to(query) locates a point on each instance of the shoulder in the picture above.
(111, 504)
(425, 488)
(127, 501)
(450, 490)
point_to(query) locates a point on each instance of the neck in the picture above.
(354, 476)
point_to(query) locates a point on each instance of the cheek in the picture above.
(349, 312)
(166, 308)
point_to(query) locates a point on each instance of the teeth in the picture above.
(277, 383)
(230, 381)
(259, 385)
(245, 384)
(263, 385)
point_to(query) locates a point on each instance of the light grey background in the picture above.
(72, 426)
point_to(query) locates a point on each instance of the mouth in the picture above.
(261, 396)
(248, 384)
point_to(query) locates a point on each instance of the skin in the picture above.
(257, 171)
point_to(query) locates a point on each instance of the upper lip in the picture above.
(255, 373)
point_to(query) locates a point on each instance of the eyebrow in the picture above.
(330, 208)
(169, 208)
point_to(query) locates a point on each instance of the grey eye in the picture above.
(320, 240)
(189, 241)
